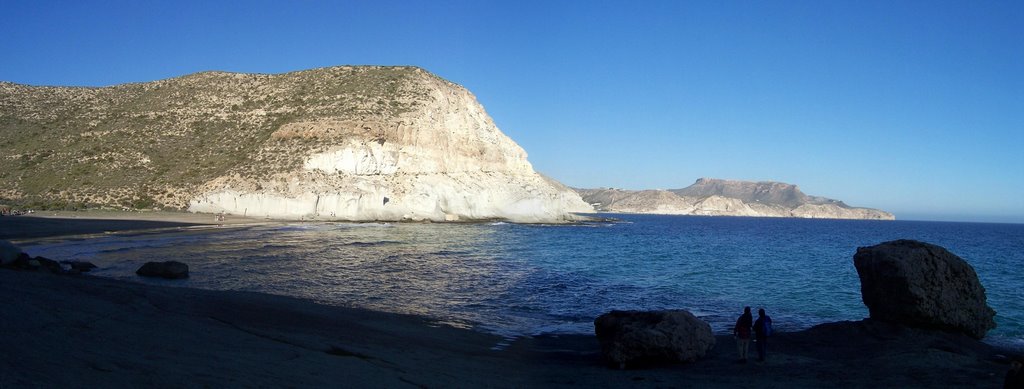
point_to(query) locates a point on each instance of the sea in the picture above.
(529, 279)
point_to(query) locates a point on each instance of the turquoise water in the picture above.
(527, 279)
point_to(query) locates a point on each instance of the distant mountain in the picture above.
(716, 197)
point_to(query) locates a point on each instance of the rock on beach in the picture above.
(80, 266)
(8, 252)
(169, 270)
(629, 337)
(922, 285)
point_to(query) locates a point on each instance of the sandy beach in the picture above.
(83, 331)
(60, 223)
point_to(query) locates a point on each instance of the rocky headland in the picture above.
(716, 197)
(342, 143)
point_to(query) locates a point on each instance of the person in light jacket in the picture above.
(742, 333)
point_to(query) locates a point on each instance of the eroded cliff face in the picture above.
(343, 143)
(443, 160)
(715, 197)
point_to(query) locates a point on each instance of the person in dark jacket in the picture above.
(742, 333)
(762, 329)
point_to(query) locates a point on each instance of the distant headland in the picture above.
(716, 197)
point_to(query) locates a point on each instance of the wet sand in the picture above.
(49, 224)
(82, 331)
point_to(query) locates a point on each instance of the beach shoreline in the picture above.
(48, 224)
(90, 331)
(62, 330)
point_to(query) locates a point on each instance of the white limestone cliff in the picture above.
(723, 206)
(444, 160)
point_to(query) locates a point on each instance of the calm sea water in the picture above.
(527, 279)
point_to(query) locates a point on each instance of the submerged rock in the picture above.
(21, 262)
(43, 263)
(629, 337)
(11, 257)
(80, 266)
(923, 285)
(169, 270)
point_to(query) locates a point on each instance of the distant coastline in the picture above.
(717, 197)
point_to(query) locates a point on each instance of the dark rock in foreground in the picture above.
(27, 262)
(11, 257)
(922, 285)
(629, 337)
(8, 252)
(80, 266)
(45, 264)
(169, 270)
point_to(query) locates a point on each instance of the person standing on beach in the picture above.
(742, 333)
(762, 329)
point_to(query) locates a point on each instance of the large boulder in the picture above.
(8, 252)
(169, 269)
(629, 337)
(922, 285)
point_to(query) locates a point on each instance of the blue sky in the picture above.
(912, 107)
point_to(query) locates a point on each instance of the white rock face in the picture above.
(415, 197)
(358, 159)
(444, 161)
(829, 212)
(723, 206)
(646, 201)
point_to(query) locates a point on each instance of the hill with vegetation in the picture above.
(349, 142)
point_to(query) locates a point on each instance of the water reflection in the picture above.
(452, 272)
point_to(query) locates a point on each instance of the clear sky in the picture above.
(912, 107)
